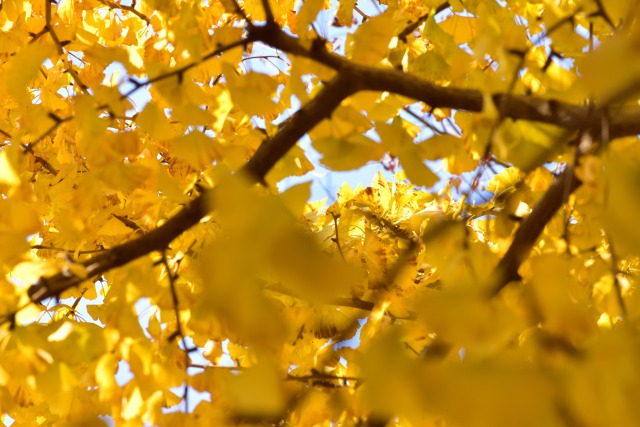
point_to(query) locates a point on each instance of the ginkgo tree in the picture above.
(491, 282)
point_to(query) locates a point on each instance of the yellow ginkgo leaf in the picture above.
(24, 68)
(255, 392)
(155, 122)
(370, 43)
(417, 171)
(114, 227)
(505, 179)
(105, 373)
(197, 149)
(295, 198)
(347, 153)
(431, 65)
(191, 115)
(463, 28)
(345, 12)
(397, 140)
(307, 15)
(252, 92)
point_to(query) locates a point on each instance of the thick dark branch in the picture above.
(531, 228)
(155, 240)
(305, 119)
(625, 122)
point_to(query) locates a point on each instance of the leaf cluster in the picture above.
(148, 254)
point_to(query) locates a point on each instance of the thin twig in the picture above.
(603, 13)
(75, 304)
(414, 25)
(315, 377)
(617, 283)
(131, 9)
(127, 222)
(559, 23)
(28, 148)
(501, 111)
(364, 15)
(69, 251)
(230, 368)
(178, 332)
(408, 110)
(319, 378)
(337, 238)
(181, 70)
(49, 28)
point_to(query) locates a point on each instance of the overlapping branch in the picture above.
(160, 238)
(625, 122)
(352, 78)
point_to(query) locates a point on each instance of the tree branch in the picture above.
(351, 79)
(531, 228)
(131, 9)
(626, 122)
(256, 168)
(181, 70)
(155, 240)
(346, 302)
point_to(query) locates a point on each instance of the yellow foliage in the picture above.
(147, 249)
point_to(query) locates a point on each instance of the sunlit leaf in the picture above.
(368, 45)
(347, 153)
(253, 92)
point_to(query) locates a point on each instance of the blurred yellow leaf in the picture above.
(105, 376)
(347, 153)
(463, 28)
(155, 122)
(252, 92)
(296, 197)
(369, 44)
(507, 178)
(256, 392)
(8, 174)
(396, 139)
(197, 149)
(560, 299)
(308, 12)
(24, 67)
(527, 145)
